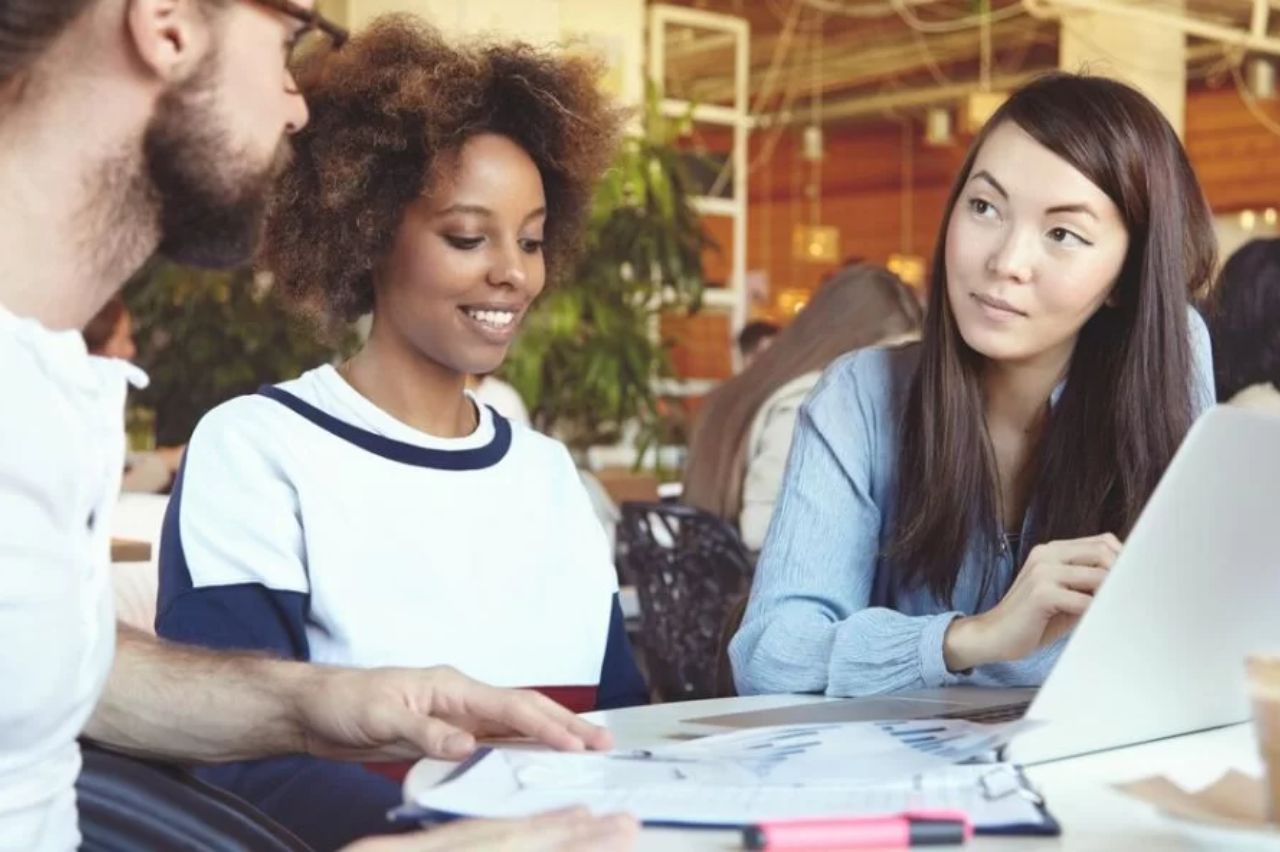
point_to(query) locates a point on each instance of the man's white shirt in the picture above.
(62, 448)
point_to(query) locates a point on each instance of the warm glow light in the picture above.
(908, 267)
(816, 243)
(1269, 215)
(1248, 219)
(980, 106)
(791, 301)
(937, 127)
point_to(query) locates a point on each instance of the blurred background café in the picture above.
(777, 149)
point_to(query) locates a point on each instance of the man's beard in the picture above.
(211, 200)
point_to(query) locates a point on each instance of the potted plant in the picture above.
(205, 337)
(589, 358)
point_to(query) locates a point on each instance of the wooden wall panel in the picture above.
(701, 344)
(1235, 156)
(864, 172)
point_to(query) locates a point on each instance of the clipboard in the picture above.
(998, 798)
(995, 786)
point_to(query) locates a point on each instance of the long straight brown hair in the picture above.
(1127, 401)
(859, 306)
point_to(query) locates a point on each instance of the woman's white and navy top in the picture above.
(310, 523)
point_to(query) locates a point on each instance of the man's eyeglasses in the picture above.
(311, 20)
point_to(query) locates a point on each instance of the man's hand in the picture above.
(561, 831)
(399, 714)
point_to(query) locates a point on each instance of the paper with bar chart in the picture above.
(744, 776)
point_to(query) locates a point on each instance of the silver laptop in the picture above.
(1161, 650)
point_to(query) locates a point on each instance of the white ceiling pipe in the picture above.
(1156, 17)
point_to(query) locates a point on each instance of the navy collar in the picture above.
(476, 458)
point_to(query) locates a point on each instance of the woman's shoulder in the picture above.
(529, 447)
(873, 379)
(793, 392)
(253, 419)
(856, 407)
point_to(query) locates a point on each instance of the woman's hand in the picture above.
(1050, 593)
(561, 831)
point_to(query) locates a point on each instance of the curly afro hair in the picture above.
(1244, 319)
(388, 109)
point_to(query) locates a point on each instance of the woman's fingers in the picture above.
(1099, 550)
(1069, 601)
(571, 830)
(1113, 542)
(613, 833)
(1083, 578)
(1088, 551)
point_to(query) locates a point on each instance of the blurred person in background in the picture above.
(110, 335)
(501, 397)
(755, 337)
(743, 432)
(1243, 312)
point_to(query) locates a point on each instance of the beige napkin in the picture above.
(1235, 800)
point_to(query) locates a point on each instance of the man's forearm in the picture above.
(181, 703)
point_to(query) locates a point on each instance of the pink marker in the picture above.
(899, 831)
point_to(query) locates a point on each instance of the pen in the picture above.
(411, 814)
(899, 831)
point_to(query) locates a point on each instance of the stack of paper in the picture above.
(756, 775)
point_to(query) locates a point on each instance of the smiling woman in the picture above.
(376, 513)
(950, 508)
(466, 262)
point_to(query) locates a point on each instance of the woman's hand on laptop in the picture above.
(397, 714)
(1047, 598)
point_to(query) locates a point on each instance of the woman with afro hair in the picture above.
(374, 513)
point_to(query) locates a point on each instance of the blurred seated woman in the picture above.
(375, 513)
(743, 433)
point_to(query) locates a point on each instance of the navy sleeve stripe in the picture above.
(621, 684)
(175, 576)
(244, 616)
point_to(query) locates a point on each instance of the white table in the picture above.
(629, 601)
(1078, 791)
(138, 517)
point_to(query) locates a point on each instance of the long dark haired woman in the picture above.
(740, 443)
(950, 508)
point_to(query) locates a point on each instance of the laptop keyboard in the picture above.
(991, 715)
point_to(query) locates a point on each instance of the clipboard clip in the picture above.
(1008, 780)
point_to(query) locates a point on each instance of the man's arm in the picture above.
(169, 701)
(174, 702)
